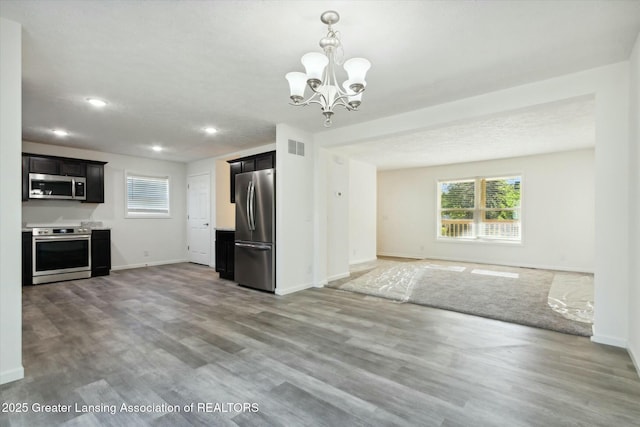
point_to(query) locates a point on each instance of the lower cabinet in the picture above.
(225, 245)
(27, 258)
(100, 252)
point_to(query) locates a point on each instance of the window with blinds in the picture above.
(483, 208)
(147, 196)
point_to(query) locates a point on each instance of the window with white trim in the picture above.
(483, 208)
(147, 196)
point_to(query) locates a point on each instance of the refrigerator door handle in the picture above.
(254, 246)
(248, 204)
(252, 225)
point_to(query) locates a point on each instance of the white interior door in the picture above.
(199, 218)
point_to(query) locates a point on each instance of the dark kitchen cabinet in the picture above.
(25, 178)
(95, 183)
(247, 164)
(45, 165)
(225, 244)
(27, 258)
(100, 252)
(235, 169)
(73, 168)
(51, 165)
(266, 161)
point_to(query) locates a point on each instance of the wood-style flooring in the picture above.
(177, 335)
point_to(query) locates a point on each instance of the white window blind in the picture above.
(147, 195)
(486, 208)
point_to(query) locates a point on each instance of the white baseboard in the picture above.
(400, 255)
(338, 276)
(362, 261)
(614, 341)
(634, 359)
(12, 375)
(148, 264)
(280, 291)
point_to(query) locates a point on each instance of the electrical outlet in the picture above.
(146, 253)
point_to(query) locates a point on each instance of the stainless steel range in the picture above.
(61, 254)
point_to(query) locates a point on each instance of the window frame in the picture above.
(146, 215)
(479, 211)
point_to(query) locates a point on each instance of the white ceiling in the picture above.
(169, 68)
(548, 128)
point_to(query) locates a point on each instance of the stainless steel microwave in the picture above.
(42, 186)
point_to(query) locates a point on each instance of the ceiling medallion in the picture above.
(320, 75)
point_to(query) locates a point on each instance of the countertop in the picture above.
(30, 226)
(225, 229)
(29, 229)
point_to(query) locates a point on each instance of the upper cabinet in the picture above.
(266, 161)
(250, 163)
(44, 165)
(92, 170)
(57, 166)
(73, 168)
(95, 183)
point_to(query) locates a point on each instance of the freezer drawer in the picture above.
(254, 265)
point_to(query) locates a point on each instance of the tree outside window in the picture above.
(486, 208)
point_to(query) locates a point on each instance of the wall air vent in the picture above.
(296, 147)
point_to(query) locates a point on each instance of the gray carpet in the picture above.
(517, 295)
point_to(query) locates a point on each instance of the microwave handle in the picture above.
(73, 188)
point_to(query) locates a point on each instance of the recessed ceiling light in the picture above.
(60, 132)
(210, 130)
(96, 102)
(156, 148)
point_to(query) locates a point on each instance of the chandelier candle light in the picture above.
(321, 75)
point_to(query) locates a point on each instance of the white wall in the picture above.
(634, 212)
(225, 210)
(294, 212)
(362, 212)
(10, 194)
(557, 212)
(320, 200)
(130, 237)
(612, 262)
(337, 202)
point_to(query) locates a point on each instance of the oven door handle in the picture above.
(60, 238)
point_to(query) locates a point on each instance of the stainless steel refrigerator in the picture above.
(255, 230)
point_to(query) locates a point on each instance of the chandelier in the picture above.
(321, 78)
